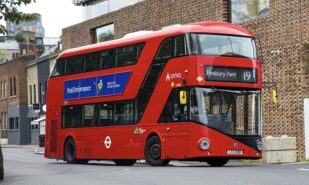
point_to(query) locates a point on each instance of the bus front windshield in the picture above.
(222, 45)
(230, 112)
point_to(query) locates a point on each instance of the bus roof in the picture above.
(200, 27)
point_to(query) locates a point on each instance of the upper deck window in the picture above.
(117, 57)
(165, 50)
(242, 10)
(74, 65)
(93, 62)
(223, 45)
(58, 69)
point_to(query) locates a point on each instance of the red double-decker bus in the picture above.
(186, 92)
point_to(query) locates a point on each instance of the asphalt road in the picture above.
(23, 167)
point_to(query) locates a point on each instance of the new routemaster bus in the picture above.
(186, 92)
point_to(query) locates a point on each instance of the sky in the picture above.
(56, 14)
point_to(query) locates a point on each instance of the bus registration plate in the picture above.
(235, 152)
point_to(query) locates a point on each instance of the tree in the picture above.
(9, 12)
(20, 37)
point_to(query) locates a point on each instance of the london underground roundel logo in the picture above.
(107, 142)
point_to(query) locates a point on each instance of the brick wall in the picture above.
(283, 35)
(283, 39)
(14, 68)
(146, 15)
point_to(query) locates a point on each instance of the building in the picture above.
(9, 48)
(35, 26)
(38, 71)
(13, 104)
(94, 8)
(282, 28)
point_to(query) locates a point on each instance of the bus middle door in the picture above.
(174, 127)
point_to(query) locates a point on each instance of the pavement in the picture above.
(36, 149)
(40, 151)
(23, 167)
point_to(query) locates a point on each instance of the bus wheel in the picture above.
(70, 151)
(152, 152)
(217, 161)
(125, 162)
(82, 161)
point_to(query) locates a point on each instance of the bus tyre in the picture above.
(125, 162)
(82, 161)
(1, 173)
(152, 152)
(70, 151)
(217, 161)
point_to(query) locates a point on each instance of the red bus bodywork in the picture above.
(178, 140)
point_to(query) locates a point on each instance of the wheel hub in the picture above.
(155, 151)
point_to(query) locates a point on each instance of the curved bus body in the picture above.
(189, 92)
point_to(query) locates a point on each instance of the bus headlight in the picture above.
(259, 144)
(204, 144)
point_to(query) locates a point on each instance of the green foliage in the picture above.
(20, 37)
(3, 53)
(9, 12)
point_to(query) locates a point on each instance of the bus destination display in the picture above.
(230, 74)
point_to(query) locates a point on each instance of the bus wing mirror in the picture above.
(260, 54)
(183, 97)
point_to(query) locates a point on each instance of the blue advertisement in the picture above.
(96, 86)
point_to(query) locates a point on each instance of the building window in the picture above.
(34, 94)
(11, 87)
(11, 124)
(44, 93)
(1, 120)
(16, 123)
(104, 33)
(40, 93)
(4, 89)
(245, 10)
(14, 86)
(30, 89)
(5, 127)
(1, 89)
(95, 8)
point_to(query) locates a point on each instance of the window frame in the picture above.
(250, 18)
(97, 108)
(138, 52)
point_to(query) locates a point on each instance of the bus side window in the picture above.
(74, 65)
(139, 49)
(90, 115)
(106, 114)
(179, 49)
(124, 113)
(72, 116)
(165, 50)
(108, 59)
(126, 55)
(92, 62)
(173, 110)
(58, 68)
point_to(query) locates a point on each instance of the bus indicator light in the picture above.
(199, 78)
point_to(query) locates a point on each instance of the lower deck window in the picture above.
(101, 114)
